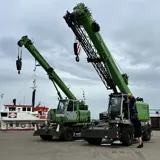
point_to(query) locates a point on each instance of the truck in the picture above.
(71, 114)
(117, 125)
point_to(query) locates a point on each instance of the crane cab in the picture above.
(118, 109)
(71, 111)
(67, 110)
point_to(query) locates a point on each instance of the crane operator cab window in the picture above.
(61, 106)
(125, 108)
(118, 107)
(70, 106)
(114, 109)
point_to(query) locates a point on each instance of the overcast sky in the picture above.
(130, 28)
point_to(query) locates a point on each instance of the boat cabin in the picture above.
(21, 117)
(18, 108)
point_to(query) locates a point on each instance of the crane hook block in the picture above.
(19, 65)
(75, 49)
(77, 58)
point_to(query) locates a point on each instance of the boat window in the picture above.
(4, 114)
(11, 124)
(24, 109)
(40, 113)
(17, 124)
(12, 108)
(28, 109)
(29, 125)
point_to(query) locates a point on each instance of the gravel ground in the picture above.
(23, 146)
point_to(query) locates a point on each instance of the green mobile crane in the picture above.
(70, 115)
(119, 125)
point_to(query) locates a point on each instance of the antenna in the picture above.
(84, 97)
(34, 76)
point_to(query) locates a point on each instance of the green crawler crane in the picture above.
(86, 30)
(70, 115)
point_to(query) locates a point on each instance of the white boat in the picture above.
(21, 117)
(15, 117)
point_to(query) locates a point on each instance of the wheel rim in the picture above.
(130, 137)
(69, 134)
(149, 134)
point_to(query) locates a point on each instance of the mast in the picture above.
(34, 86)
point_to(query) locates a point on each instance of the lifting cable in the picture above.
(26, 83)
(58, 92)
(77, 48)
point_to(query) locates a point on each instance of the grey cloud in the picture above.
(60, 56)
(58, 35)
(8, 46)
(141, 33)
(147, 78)
(78, 69)
(11, 76)
(69, 81)
(9, 49)
(44, 32)
(64, 59)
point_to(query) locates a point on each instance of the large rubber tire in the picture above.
(94, 141)
(127, 136)
(67, 134)
(46, 137)
(146, 136)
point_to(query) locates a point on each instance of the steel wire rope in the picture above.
(25, 85)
